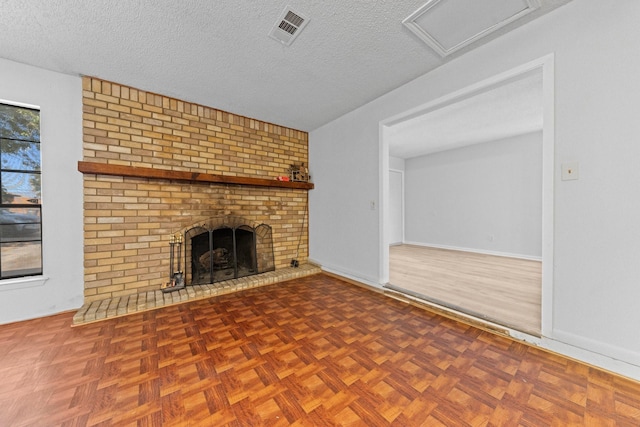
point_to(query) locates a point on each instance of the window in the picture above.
(20, 205)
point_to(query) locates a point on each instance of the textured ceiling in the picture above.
(217, 53)
(511, 109)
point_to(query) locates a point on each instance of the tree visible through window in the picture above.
(21, 203)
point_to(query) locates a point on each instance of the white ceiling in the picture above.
(511, 109)
(218, 53)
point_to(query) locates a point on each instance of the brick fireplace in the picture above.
(155, 165)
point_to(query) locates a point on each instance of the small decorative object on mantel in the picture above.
(176, 277)
(299, 173)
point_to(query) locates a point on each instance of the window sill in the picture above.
(22, 282)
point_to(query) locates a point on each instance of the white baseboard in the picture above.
(606, 356)
(352, 275)
(478, 251)
(602, 356)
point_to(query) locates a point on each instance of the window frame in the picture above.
(35, 278)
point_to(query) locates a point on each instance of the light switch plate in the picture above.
(570, 171)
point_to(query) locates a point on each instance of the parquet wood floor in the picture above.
(311, 351)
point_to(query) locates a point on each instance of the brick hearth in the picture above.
(144, 301)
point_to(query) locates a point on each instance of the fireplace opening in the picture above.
(227, 248)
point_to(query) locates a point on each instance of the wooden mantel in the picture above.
(142, 172)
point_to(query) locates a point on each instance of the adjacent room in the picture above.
(470, 202)
(319, 213)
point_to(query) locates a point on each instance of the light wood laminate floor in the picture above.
(503, 290)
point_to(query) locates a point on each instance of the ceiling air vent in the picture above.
(288, 26)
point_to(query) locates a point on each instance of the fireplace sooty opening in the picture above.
(227, 248)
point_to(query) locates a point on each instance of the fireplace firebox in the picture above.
(224, 248)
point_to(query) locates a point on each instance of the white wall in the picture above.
(343, 229)
(60, 99)
(485, 197)
(597, 233)
(395, 211)
(396, 163)
(395, 220)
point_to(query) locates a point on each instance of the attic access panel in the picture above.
(449, 25)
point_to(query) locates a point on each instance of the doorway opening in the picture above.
(478, 171)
